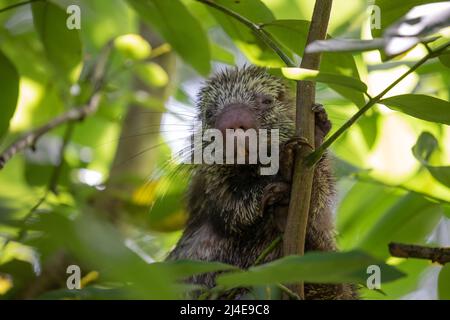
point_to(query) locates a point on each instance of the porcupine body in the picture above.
(226, 220)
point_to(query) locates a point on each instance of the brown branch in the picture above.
(440, 255)
(29, 139)
(294, 237)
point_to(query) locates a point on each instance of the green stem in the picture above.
(18, 5)
(263, 35)
(317, 154)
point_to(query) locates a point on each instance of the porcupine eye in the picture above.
(267, 101)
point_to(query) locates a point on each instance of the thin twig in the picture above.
(259, 32)
(16, 5)
(268, 250)
(30, 138)
(440, 255)
(317, 154)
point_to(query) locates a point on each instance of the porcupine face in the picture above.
(246, 98)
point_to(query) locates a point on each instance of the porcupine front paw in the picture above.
(323, 124)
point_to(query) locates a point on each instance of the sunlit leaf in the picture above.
(178, 27)
(252, 46)
(409, 220)
(220, 54)
(329, 78)
(360, 209)
(62, 45)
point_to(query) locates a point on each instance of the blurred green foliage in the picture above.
(392, 166)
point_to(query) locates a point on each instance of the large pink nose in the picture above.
(236, 116)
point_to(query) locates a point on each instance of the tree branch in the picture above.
(317, 154)
(16, 5)
(259, 32)
(294, 237)
(29, 139)
(440, 255)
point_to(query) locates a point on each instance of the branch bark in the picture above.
(294, 237)
(440, 255)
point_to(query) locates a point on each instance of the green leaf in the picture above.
(99, 244)
(445, 59)
(316, 267)
(360, 209)
(425, 146)
(369, 127)
(421, 106)
(412, 268)
(292, 34)
(446, 209)
(409, 220)
(9, 91)
(329, 78)
(249, 43)
(178, 27)
(344, 45)
(62, 46)
(444, 283)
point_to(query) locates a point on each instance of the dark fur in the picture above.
(226, 221)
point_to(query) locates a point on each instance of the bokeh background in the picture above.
(117, 203)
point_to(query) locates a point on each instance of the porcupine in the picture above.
(232, 208)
